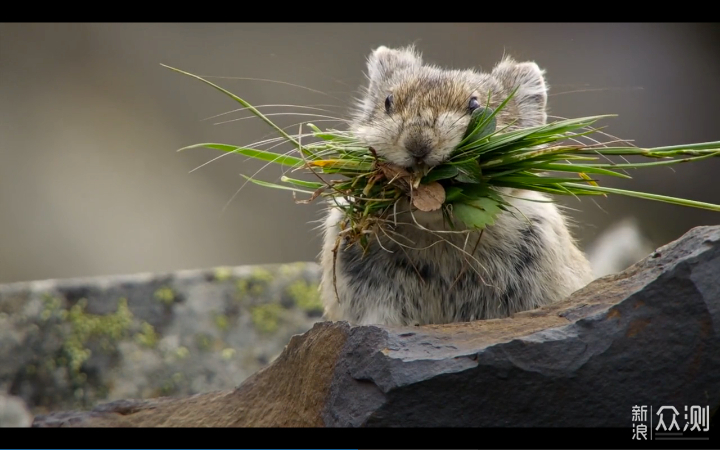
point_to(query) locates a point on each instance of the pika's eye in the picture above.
(473, 105)
(388, 103)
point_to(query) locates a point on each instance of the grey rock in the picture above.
(69, 344)
(618, 247)
(647, 336)
(13, 412)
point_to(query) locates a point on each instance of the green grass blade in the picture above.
(487, 119)
(519, 141)
(701, 146)
(253, 153)
(558, 190)
(660, 198)
(659, 152)
(479, 127)
(537, 180)
(308, 184)
(441, 172)
(657, 163)
(276, 186)
(578, 168)
(525, 156)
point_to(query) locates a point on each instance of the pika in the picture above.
(419, 273)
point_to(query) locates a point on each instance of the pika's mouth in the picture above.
(420, 166)
(429, 157)
(420, 163)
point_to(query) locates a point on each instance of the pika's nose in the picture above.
(418, 148)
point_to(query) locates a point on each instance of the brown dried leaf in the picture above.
(429, 197)
(315, 195)
(396, 175)
(425, 197)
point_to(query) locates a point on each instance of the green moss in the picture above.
(147, 337)
(227, 353)
(51, 306)
(257, 290)
(84, 327)
(255, 284)
(259, 281)
(291, 270)
(167, 388)
(203, 341)
(182, 353)
(222, 274)
(306, 296)
(241, 286)
(222, 322)
(266, 318)
(262, 275)
(165, 295)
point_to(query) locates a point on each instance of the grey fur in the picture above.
(418, 272)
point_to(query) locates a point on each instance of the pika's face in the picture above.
(414, 114)
(419, 117)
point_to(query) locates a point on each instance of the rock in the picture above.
(647, 336)
(69, 344)
(618, 247)
(13, 412)
(290, 392)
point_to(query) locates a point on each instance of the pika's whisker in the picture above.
(274, 81)
(269, 106)
(338, 119)
(633, 88)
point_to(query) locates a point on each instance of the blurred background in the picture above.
(91, 184)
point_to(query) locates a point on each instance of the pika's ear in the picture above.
(531, 95)
(383, 62)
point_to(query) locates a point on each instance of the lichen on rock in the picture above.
(73, 343)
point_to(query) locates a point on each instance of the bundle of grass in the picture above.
(548, 158)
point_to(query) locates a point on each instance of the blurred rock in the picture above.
(618, 247)
(647, 336)
(13, 412)
(69, 344)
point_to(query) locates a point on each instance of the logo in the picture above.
(666, 423)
